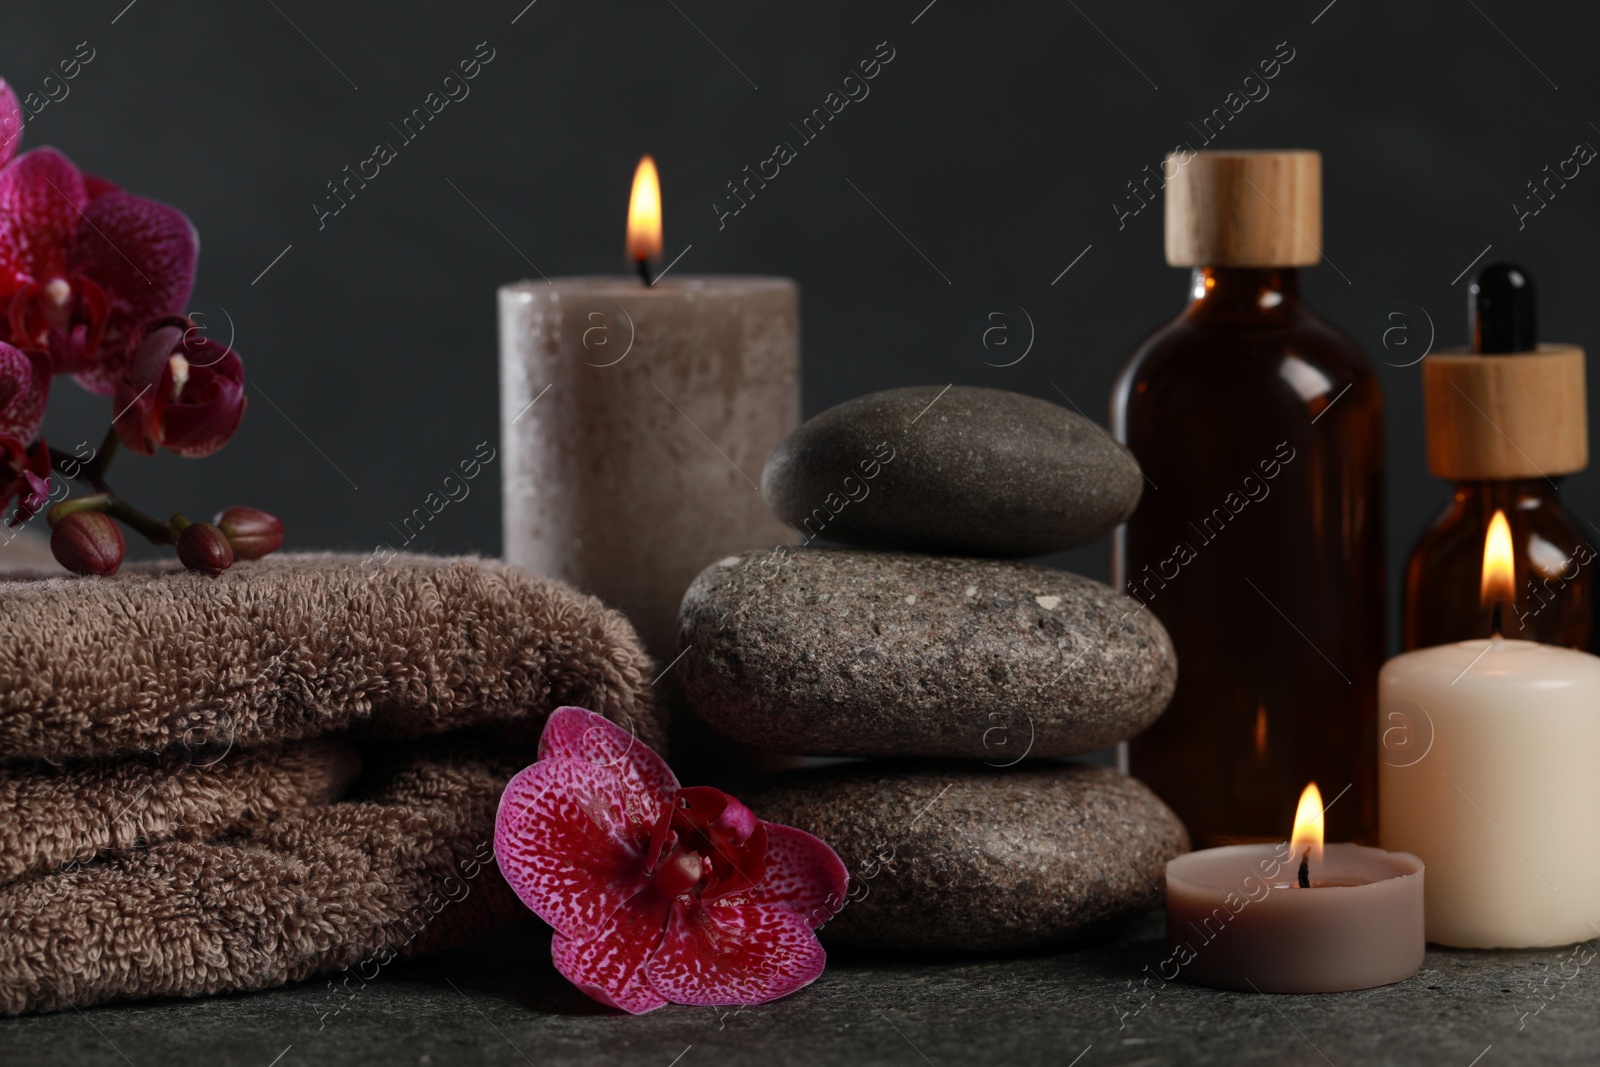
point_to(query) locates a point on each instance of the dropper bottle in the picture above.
(1505, 421)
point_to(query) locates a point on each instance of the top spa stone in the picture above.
(954, 469)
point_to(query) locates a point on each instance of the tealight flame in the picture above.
(1307, 838)
(1499, 574)
(644, 213)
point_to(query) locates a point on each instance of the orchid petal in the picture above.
(722, 955)
(580, 734)
(570, 839)
(97, 186)
(803, 874)
(143, 254)
(42, 198)
(11, 123)
(34, 493)
(135, 422)
(24, 388)
(611, 966)
(25, 476)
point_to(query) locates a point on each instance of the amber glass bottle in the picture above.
(1259, 540)
(1505, 421)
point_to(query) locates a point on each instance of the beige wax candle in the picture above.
(1487, 771)
(636, 421)
(1237, 918)
(1300, 917)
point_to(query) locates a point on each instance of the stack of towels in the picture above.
(213, 785)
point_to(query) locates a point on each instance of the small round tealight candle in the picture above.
(1300, 918)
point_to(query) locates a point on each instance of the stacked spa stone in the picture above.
(961, 675)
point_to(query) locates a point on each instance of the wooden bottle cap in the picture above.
(1244, 209)
(1506, 416)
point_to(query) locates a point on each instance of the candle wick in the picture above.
(1305, 870)
(1497, 618)
(644, 270)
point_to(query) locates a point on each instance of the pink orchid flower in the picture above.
(84, 266)
(182, 391)
(660, 894)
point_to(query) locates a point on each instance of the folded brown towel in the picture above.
(174, 750)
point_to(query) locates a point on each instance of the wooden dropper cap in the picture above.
(1244, 209)
(1511, 407)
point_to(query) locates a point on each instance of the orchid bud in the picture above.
(252, 532)
(204, 548)
(88, 542)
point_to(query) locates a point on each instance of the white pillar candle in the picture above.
(636, 420)
(1487, 772)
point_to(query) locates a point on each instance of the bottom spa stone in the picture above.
(957, 858)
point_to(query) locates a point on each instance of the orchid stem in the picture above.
(95, 470)
(154, 530)
(71, 466)
(104, 499)
(98, 502)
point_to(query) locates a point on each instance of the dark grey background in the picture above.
(997, 142)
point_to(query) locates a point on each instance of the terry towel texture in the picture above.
(225, 784)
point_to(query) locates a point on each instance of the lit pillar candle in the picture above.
(636, 418)
(1486, 771)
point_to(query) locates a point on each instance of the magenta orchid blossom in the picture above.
(93, 283)
(181, 391)
(85, 267)
(657, 893)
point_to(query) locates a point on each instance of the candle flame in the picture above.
(1499, 574)
(1308, 832)
(644, 213)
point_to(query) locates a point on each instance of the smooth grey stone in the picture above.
(846, 652)
(971, 859)
(960, 469)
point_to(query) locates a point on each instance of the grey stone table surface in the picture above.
(500, 1002)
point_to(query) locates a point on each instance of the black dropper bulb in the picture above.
(1500, 310)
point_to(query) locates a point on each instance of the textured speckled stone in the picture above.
(844, 652)
(952, 469)
(960, 858)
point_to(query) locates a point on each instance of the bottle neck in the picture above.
(1244, 292)
(1516, 494)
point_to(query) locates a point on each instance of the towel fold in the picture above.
(225, 784)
